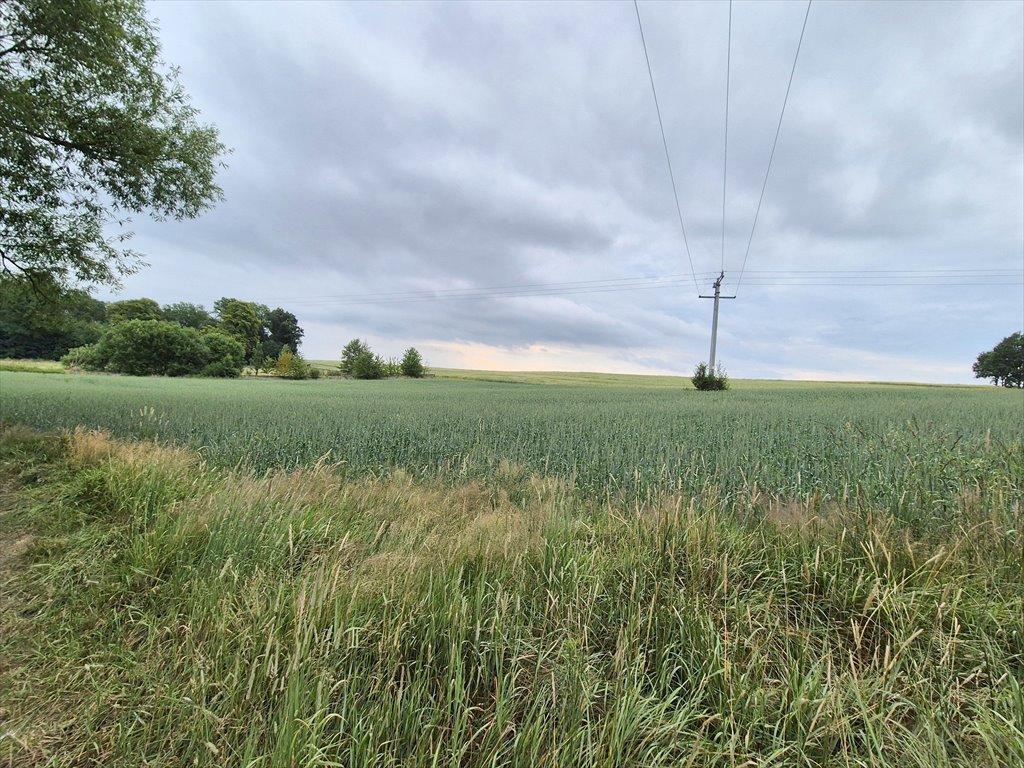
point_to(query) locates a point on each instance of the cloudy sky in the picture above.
(487, 181)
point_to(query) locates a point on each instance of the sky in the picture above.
(487, 181)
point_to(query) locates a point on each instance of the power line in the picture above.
(664, 141)
(956, 278)
(775, 143)
(528, 287)
(725, 153)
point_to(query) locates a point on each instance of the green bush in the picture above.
(709, 381)
(160, 348)
(412, 364)
(292, 365)
(87, 357)
(367, 366)
(224, 354)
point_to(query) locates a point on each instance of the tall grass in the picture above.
(177, 613)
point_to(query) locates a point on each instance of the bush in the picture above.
(224, 355)
(160, 348)
(412, 364)
(86, 357)
(709, 381)
(291, 365)
(367, 366)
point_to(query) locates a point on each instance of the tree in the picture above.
(1004, 363)
(133, 309)
(188, 315)
(412, 364)
(285, 361)
(45, 321)
(351, 353)
(91, 128)
(239, 319)
(260, 361)
(282, 328)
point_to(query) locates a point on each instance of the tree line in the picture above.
(140, 337)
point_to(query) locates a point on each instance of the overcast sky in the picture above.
(390, 150)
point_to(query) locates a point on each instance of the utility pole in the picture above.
(714, 321)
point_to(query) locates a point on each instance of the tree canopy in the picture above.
(1004, 363)
(43, 321)
(239, 318)
(282, 327)
(133, 309)
(188, 314)
(92, 127)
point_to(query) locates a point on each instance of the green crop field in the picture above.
(904, 448)
(484, 569)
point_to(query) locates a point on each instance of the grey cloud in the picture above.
(395, 147)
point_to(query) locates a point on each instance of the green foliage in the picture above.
(261, 361)
(709, 381)
(41, 320)
(367, 366)
(133, 309)
(351, 353)
(87, 357)
(285, 361)
(281, 327)
(160, 348)
(91, 125)
(291, 365)
(412, 364)
(239, 319)
(188, 315)
(223, 355)
(1004, 364)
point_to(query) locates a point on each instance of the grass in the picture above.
(31, 366)
(903, 449)
(173, 612)
(597, 571)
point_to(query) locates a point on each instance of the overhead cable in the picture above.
(775, 143)
(664, 141)
(725, 153)
(762, 278)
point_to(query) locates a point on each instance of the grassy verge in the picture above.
(32, 366)
(158, 611)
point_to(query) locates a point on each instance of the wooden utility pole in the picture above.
(714, 321)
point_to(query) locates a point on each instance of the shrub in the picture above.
(224, 355)
(367, 366)
(87, 357)
(160, 348)
(707, 381)
(291, 365)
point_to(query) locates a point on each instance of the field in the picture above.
(544, 569)
(904, 449)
